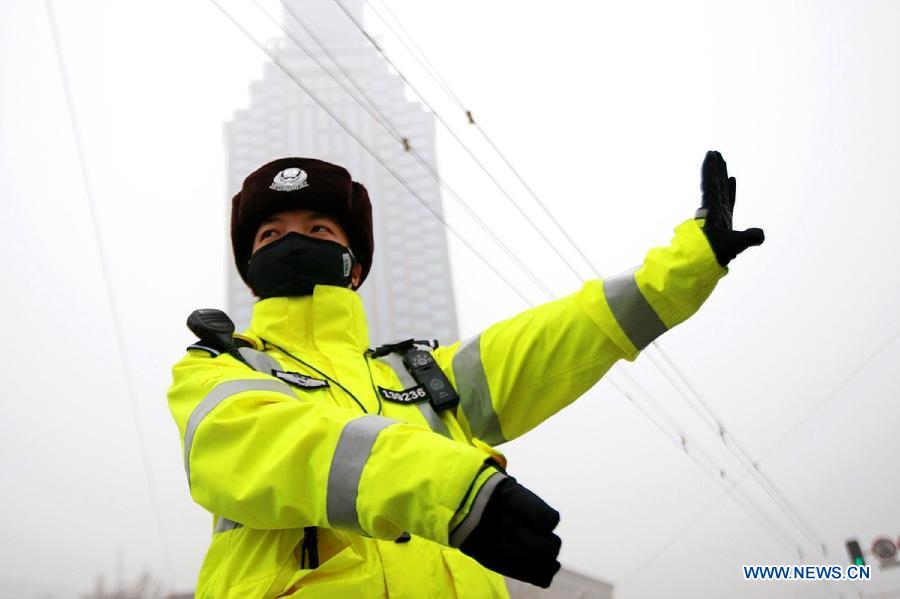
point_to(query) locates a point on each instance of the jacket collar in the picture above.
(331, 319)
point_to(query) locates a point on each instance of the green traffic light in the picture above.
(859, 561)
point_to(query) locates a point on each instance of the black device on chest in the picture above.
(425, 370)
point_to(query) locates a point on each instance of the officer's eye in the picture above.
(267, 234)
(322, 227)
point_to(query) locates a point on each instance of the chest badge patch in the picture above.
(408, 396)
(299, 380)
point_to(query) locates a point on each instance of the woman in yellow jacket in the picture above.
(334, 470)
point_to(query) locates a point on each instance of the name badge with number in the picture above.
(407, 396)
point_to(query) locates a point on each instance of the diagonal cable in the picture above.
(455, 136)
(728, 485)
(379, 117)
(825, 399)
(734, 447)
(421, 58)
(331, 113)
(442, 83)
(111, 297)
(832, 394)
(376, 45)
(741, 455)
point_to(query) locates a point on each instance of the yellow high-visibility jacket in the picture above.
(268, 456)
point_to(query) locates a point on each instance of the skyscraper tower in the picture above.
(409, 290)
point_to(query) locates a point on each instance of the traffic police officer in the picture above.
(334, 470)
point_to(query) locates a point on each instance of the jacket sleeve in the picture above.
(257, 453)
(519, 372)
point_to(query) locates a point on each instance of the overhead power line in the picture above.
(470, 119)
(880, 349)
(717, 474)
(854, 372)
(716, 423)
(421, 58)
(275, 60)
(720, 474)
(365, 146)
(455, 136)
(112, 302)
(383, 120)
(367, 104)
(742, 455)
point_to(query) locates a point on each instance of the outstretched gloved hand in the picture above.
(717, 209)
(509, 530)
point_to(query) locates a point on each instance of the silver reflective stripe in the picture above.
(474, 393)
(433, 419)
(260, 361)
(353, 449)
(218, 394)
(465, 528)
(224, 525)
(632, 312)
(213, 351)
(395, 361)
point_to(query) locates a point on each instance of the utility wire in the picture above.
(436, 76)
(704, 456)
(694, 453)
(755, 468)
(370, 107)
(775, 494)
(718, 475)
(367, 148)
(742, 455)
(456, 137)
(111, 296)
(832, 394)
(828, 397)
(384, 122)
(712, 420)
(379, 117)
(343, 125)
(421, 58)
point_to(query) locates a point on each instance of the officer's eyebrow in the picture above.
(270, 220)
(322, 216)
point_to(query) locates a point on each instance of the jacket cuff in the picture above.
(676, 280)
(469, 514)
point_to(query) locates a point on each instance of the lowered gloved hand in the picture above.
(717, 209)
(508, 529)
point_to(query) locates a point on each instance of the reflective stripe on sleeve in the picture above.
(465, 528)
(636, 317)
(260, 361)
(220, 393)
(474, 393)
(350, 456)
(395, 361)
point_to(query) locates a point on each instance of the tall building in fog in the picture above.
(408, 292)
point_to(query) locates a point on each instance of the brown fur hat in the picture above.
(289, 183)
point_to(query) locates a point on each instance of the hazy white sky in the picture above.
(607, 108)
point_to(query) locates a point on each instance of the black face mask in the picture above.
(295, 264)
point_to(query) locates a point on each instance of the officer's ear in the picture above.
(355, 275)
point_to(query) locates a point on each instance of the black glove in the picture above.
(718, 207)
(514, 535)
